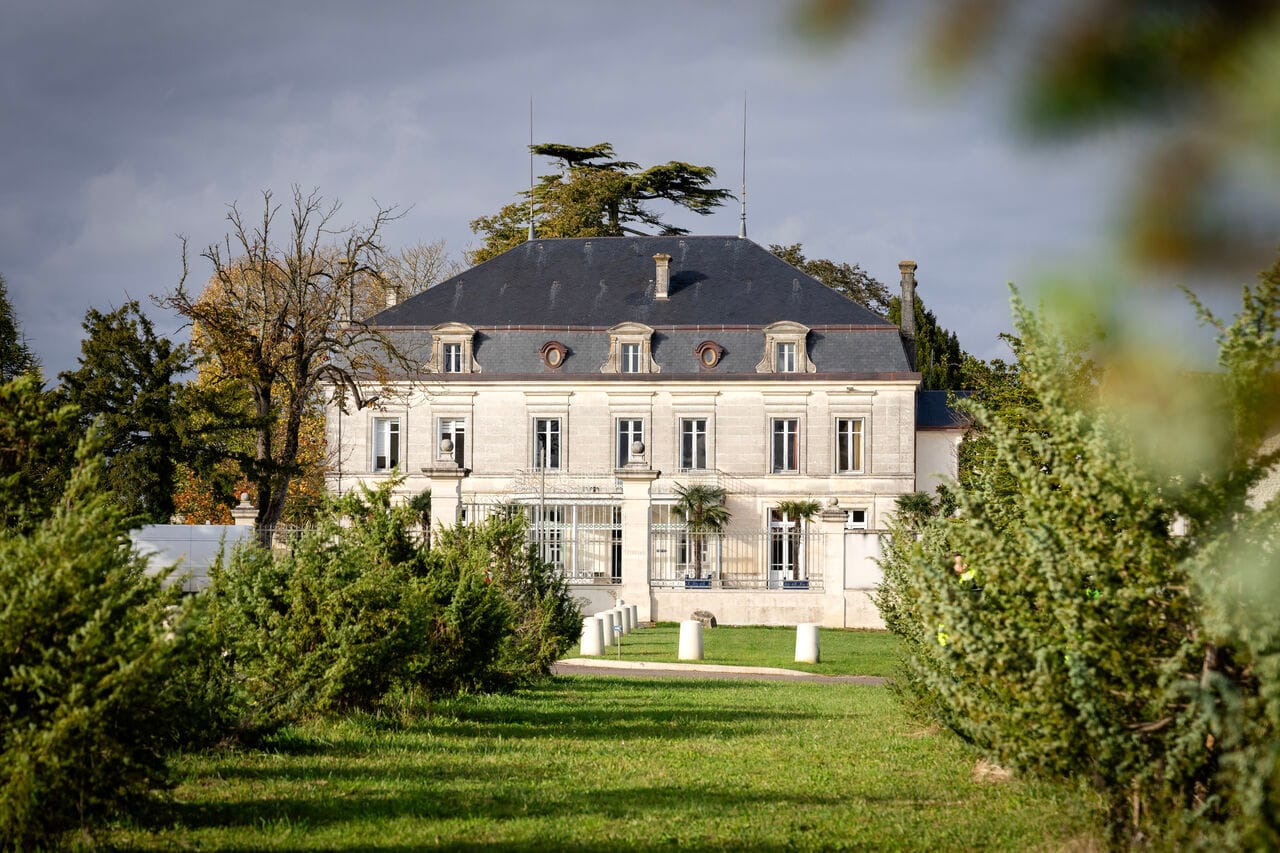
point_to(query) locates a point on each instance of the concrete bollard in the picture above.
(690, 640)
(624, 618)
(807, 643)
(592, 637)
(606, 625)
(635, 615)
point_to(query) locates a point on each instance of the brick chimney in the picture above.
(907, 313)
(662, 276)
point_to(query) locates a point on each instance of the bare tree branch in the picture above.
(282, 320)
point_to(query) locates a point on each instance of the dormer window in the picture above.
(630, 358)
(451, 349)
(785, 349)
(629, 350)
(453, 358)
(786, 357)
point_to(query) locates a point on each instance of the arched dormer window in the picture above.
(451, 349)
(786, 349)
(630, 350)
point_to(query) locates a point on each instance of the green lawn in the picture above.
(842, 652)
(615, 764)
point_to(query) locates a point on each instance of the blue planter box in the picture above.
(697, 583)
(804, 584)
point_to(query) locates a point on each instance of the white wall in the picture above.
(936, 457)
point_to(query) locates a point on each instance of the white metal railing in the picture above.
(583, 541)
(550, 481)
(731, 483)
(782, 559)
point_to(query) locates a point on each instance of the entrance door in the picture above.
(784, 549)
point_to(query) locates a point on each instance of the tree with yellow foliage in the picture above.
(282, 319)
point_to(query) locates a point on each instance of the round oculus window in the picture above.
(553, 353)
(708, 353)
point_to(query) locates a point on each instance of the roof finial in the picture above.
(530, 166)
(742, 226)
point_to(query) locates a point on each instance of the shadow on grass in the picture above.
(515, 801)
(585, 709)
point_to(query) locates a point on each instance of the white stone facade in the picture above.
(498, 464)
(585, 380)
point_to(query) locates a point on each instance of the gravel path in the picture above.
(600, 666)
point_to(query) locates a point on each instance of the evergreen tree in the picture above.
(1051, 619)
(36, 429)
(938, 355)
(16, 358)
(126, 382)
(89, 649)
(360, 613)
(594, 194)
(1055, 619)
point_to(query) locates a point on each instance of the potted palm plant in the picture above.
(703, 511)
(801, 513)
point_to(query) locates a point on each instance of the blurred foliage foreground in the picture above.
(1099, 596)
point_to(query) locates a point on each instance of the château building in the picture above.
(586, 380)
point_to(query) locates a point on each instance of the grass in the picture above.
(842, 652)
(620, 764)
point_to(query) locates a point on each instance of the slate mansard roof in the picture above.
(723, 289)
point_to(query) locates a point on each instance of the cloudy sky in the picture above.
(126, 124)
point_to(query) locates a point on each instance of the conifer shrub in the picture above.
(89, 646)
(1056, 621)
(546, 620)
(360, 612)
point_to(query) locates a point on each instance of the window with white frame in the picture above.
(855, 519)
(786, 445)
(455, 429)
(546, 443)
(786, 357)
(452, 349)
(786, 549)
(452, 357)
(386, 444)
(630, 430)
(548, 523)
(630, 358)
(693, 444)
(849, 432)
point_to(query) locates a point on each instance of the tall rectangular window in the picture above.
(848, 445)
(786, 357)
(786, 445)
(630, 358)
(546, 443)
(629, 432)
(693, 444)
(453, 358)
(386, 443)
(785, 549)
(456, 431)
